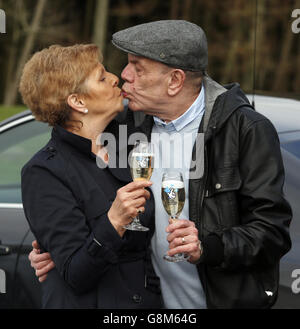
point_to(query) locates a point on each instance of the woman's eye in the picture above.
(102, 79)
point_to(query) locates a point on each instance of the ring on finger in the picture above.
(183, 240)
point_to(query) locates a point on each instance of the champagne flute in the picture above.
(141, 167)
(173, 198)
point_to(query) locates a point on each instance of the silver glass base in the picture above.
(176, 258)
(136, 226)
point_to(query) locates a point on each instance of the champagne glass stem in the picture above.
(174, 219)
(136, 225)
(136, 220)
(176, 257)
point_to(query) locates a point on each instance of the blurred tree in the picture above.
(296, 67)
(234, 40)
(100, 24)
(142, 8)
(174, 9)
(229, 26)
(282, 69)
(12, 87)
(187, 6)
(262, 44)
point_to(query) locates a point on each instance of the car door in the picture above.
(289, 291)
(20, 138)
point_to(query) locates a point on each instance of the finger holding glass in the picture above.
(184, 238)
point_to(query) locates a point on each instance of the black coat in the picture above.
(238, 205)
(66, 198)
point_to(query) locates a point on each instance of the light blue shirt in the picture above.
(173, 144)
(195, 111)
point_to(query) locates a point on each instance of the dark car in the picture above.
(21, 136)
(285, 115)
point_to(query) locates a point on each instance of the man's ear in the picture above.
(176, 80)
(76, 103)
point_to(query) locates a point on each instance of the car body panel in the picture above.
(283, 112)
(13, 226)
(285, 115)
(20, 287)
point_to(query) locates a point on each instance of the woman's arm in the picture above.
(81, 254)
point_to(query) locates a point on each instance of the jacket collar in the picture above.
(76, 142)
(213, 90)
(221, 103)
(84, 147)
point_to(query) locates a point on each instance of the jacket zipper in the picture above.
(200, 212)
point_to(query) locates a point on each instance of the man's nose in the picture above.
(126, 74)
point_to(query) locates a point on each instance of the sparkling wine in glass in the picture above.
(173, 199)
(141, 167)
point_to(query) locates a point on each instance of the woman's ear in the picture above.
(176, 80)
(77, 103)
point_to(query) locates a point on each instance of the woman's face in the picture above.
(103, 94)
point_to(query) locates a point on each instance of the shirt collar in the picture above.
(196, 109)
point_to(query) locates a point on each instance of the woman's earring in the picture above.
(86, 111)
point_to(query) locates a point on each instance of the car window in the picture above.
(17, 146)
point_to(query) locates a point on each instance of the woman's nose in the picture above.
(115, 80)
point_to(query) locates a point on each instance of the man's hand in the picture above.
(42, 263)
(183, 238)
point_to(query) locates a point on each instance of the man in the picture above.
(236, 220)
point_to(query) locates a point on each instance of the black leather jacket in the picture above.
(238, 205)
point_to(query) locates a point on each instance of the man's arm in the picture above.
(263, 234)
(42, 263)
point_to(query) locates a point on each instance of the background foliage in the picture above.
(230, 26)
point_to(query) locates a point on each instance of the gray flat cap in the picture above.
(176, 43)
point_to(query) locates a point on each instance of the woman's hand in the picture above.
(183, 238)
(130, 200)
(42, 263)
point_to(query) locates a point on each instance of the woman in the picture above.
(75, 209)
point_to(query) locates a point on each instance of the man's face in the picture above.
(145, 84)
